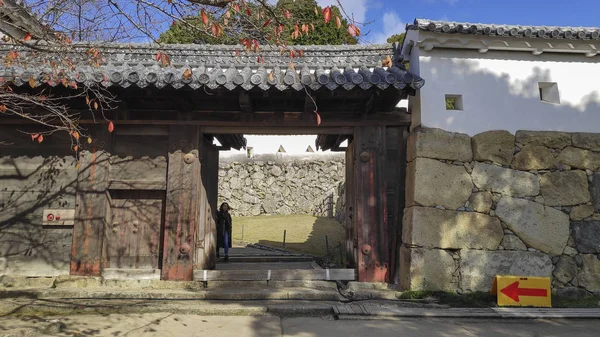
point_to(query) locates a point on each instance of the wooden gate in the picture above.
(132, 237)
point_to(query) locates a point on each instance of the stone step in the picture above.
(266, 258)
(275, 275)
(130, 274)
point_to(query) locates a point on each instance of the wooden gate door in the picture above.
(133, 233)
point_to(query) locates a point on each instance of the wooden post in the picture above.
(284, 232)
(183, 197)
(370, 204)
(92, 208)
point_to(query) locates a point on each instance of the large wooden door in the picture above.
(133, 232)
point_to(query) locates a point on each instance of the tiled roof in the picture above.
(216, 66)
(546, 32)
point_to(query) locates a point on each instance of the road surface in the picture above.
(165, 324)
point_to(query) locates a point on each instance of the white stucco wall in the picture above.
(500, 90)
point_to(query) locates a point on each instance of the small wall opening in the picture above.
(454, 102)
(549, 92)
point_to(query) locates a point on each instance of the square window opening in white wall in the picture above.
(549, 92)
(454, 102)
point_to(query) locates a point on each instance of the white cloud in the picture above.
(391, 24)
(354, 8)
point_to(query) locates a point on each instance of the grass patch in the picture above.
(305, 234)
(586, 302)
(469, 300)
(486, 300)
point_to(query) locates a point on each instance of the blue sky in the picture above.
(391, 16)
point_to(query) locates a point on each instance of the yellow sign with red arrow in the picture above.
(522, 291)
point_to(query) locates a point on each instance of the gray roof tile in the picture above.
(545, 32)
(218, 66)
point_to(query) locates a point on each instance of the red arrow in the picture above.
(513, 291)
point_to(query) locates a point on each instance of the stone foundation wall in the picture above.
(278, 185)
(497, 203)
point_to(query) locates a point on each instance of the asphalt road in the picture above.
(165, 324)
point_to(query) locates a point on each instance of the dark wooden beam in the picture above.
(245, 102)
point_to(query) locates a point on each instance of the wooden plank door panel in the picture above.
(133, 234)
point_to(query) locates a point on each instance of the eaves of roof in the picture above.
(542, 32)
(230, 67)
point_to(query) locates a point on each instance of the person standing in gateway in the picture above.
(223, 230)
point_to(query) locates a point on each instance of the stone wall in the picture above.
(271, 184)
(497, 203)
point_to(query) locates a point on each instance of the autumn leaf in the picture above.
(237, 52)
(89, 140)
(316, 11)
(95, 105)
(31, 82)
(353, 30)
(256, 46)
(87, 100)
(169, 1)
(187, 74)
(2, 108)
(338, 22)
(34, 137)
(75, 135)
(327, 14)
(387, 62)
(312, 26)
(204, 18)
(214, 29)
(75, 148)
(267, 22)
(74, 85)
(248, 12)
(292, 54)
(40, 138)
(300, 53)
(228, 14)
(27, 37)
(287, 14)
(292, 66)
(237, 8)
(111, 126)
(158, 56)
(318, 118)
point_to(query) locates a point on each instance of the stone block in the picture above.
(581, 212)
(579, 158)
(541, 227)
(596, 191)
(590, 141)
(572, 292)
(512, 242)
(505, 181)
(589, 276)
(552, 139)
(426, 269)
(438, 144)
(497, 146)
(434, 228)
(564, 188)
(478, 267)
(586, 235)
(534, 157)
(566, 269)
(481, 201)
(432, 183)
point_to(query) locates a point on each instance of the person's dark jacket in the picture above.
(223, 222)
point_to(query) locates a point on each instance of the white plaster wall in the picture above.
(500, 90)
